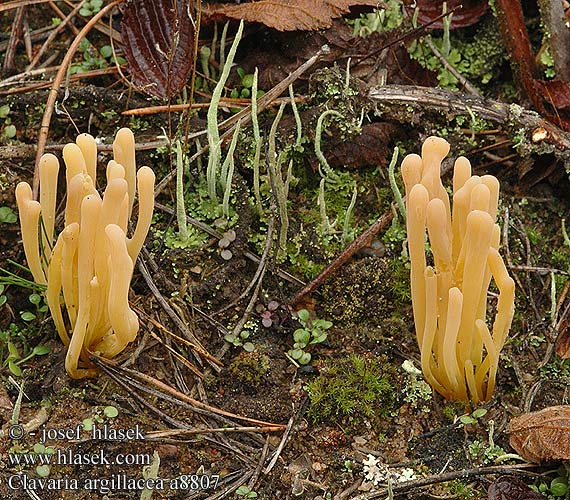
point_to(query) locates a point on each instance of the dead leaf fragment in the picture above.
(542, 436)
(563, 341)
(158, 40)
(468, 12)
(287, 15)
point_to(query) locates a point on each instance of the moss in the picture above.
(249, 369)
(358, 387)
(360, 292)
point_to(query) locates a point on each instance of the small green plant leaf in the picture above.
(318, 338)
(7, 216)
(303, 315)
(39, 448)
(467, 419)
(88, 424)
(248, 347)
(478, 413)
(14, 368)
(35, 299)
(27, 315)
(302, 336)
(40, 350)
(10, 131)
(43, 470)
(106, 51)
(110, 412)
(305, 358)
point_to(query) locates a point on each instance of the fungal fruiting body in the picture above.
(88, 268)
(459, 353)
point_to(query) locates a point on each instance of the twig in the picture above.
(449, 67)
(510, 116)
(61, 15)
(257, 471)
(160, 435)
(401, 488)
(363, 240)
(197, 347)
(46, 120)
(19, 3)
(15, 37)
(224, 101)
(262, 267)
(53, 34)
(166, 392)
(282, 444)
(259, 272)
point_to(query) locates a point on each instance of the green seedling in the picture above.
(474, 417)
(7, 129)
(91, 7)
(93, 58)
(312, 332)
(245, 492)
(244, 90)
(7, 216)
(14, 359)
(240, 340)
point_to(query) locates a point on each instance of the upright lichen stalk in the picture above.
(459, 354)
(90, 266)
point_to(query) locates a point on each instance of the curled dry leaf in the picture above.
(468, 12)
(287, 15)
(158, 40)
(542, 436)
(511, 488)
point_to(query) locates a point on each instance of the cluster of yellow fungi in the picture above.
(90, 266)
(459, 355)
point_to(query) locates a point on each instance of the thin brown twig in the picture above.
(363, 240)
(58, 80)
(466, 84)
(43, 84)
(167, 390)
(182, 340)
(58, 29)
(61, 15)
(15, 36)
(224, 101)
(197, 347)
(19, 3)
(405, 488)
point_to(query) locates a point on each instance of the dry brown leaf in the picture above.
(563, 341)
(542, 436)
(287, 15)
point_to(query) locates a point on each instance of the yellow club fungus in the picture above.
(459, 354)
(89, 268)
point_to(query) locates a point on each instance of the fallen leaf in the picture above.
(556, 92)
(469, 13)
(563, 341)
(158, 41)
(542, 436)
(511, 488)
(287, 15)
